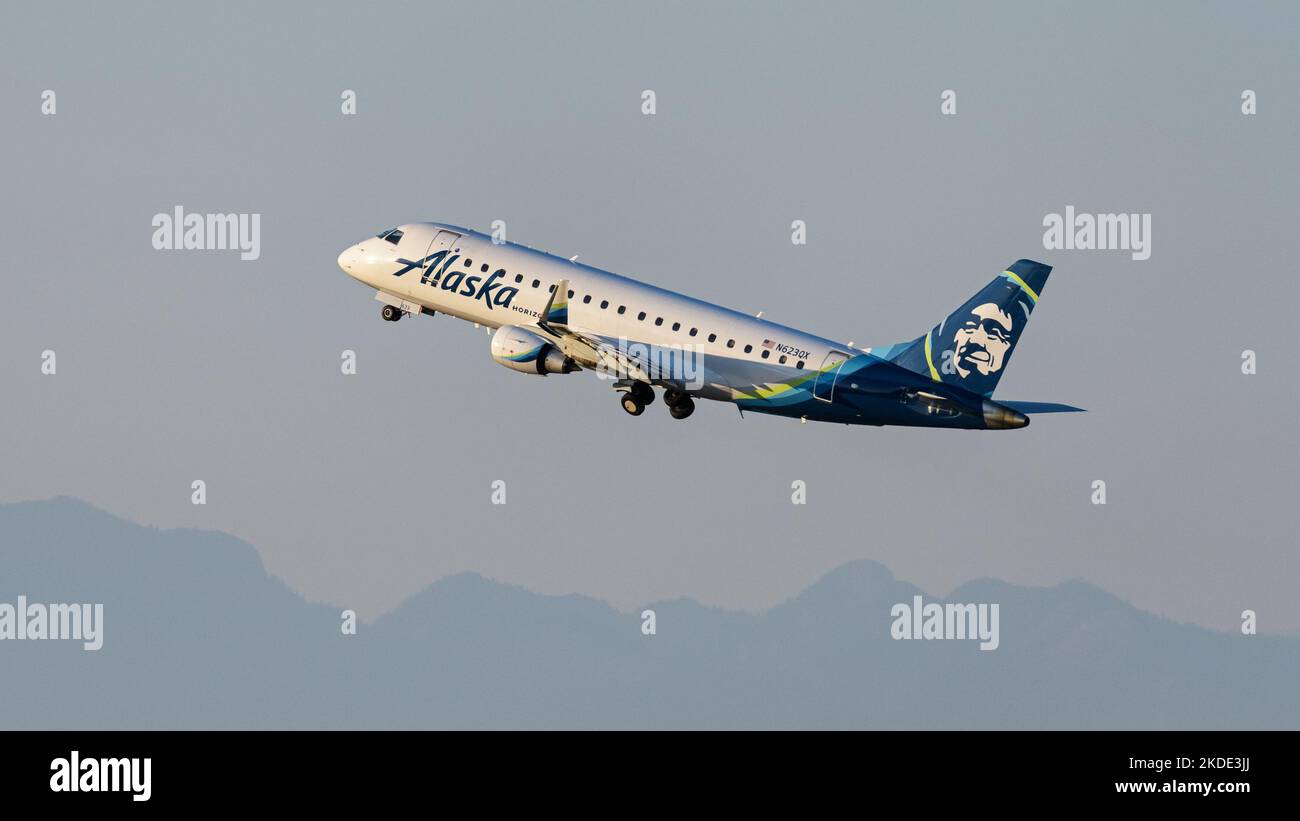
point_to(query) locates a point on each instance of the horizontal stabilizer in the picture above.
(1030, 408)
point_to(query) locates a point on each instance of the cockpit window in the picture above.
(394, 236)
(383, 234)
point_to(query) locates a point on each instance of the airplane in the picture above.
(553, 315)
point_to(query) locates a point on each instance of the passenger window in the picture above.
(586, 299)
(731, 343)
(713, 337)
(484, 268)
(693, 331)
(782, 360)
(468, 262)
(570, 293)
(641, 316)
(799, 364)
(677, 326)
(519, 277)
(749, 348)
(604, 303)
(766, 354)
(659, 320)
(536, 282)
(551, 290)
(622, 308)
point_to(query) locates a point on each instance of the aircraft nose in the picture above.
(348, 259)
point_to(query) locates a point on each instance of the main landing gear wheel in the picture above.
(391, 313)
(672, 396)
(643, 393)
(632, 405)
(683, 408)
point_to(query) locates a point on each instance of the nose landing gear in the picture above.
(391, 313)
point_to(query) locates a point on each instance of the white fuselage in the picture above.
(556, 315)
(743, 351)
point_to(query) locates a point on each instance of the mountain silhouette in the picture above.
(198, 635)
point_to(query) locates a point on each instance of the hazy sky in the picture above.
(360, 490)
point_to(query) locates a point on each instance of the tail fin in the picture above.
(971, 348)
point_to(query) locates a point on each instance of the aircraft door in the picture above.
(824, 386)
(441, 241)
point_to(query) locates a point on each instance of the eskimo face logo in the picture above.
(475, 287)
(982, 341)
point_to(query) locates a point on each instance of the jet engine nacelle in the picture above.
(524, 351)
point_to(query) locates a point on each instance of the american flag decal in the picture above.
(769, 344)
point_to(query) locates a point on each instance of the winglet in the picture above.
(557, 307)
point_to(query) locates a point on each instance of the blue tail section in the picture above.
(972, 347)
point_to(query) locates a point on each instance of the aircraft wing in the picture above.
(589, 348)
(583, 345)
